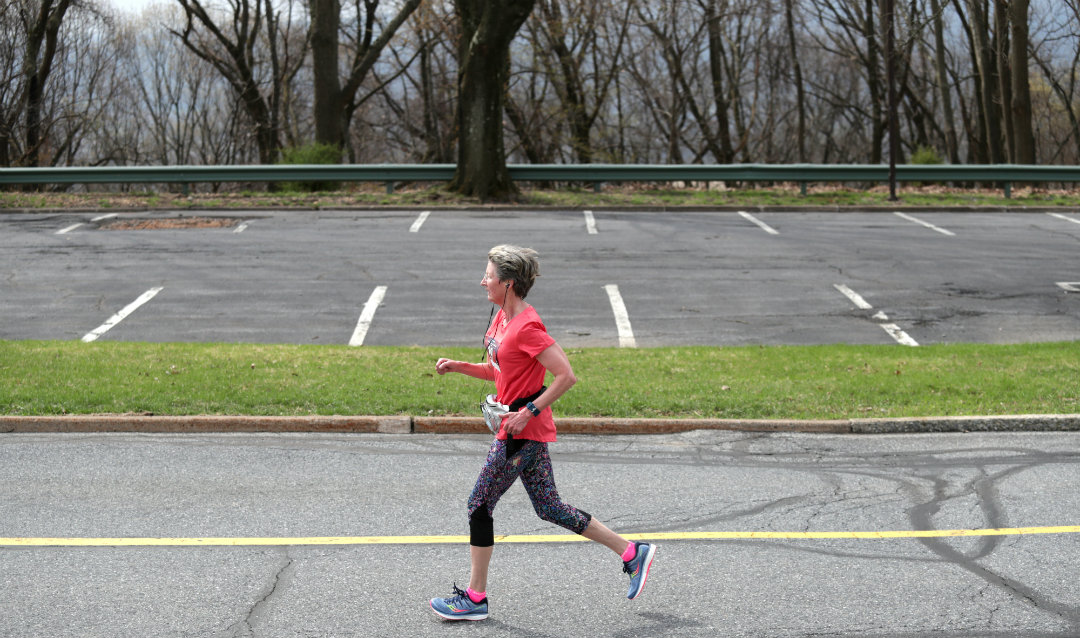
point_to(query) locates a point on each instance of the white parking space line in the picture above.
(70, 228)
(104, 217)
(923, 223)
(855, 297)
(367, 315)
(622, 318)
(892, 329)
(1069, 286)
(415, 228)
(1065, 217)
(590, 222)
(896, 333)
(120, 316)
(767, 228)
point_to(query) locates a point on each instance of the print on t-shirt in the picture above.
(493, 352)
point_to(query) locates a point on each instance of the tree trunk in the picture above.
(800, 92)
(335, 100)
(487, 28)
(951, 143)
(873, 81)
(888, 18)
(1023, 133)
(716, 73)
(325, 20)
(1004, 76)
(984, 59)
(37, 64)
(568, 82)
(233, 57)
(434, 149)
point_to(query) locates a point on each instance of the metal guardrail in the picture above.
(597, 174)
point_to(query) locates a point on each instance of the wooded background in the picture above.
(611, 81)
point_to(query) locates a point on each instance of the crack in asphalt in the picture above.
(984, 488)
(246, 627)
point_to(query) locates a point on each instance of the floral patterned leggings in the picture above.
(503, 466)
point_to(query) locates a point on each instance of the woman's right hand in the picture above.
(444, 365)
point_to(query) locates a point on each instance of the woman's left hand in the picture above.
(516, 422)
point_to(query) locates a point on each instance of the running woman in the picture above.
(519, 353)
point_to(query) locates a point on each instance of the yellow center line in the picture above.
(518, 538)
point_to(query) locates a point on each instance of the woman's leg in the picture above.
(597, 531)
(538, 477)
(539, 480)
(497, 475)
(480, 559)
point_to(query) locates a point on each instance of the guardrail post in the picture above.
(185, 189)
(1008, 190)
(389, 188)
(597, 187)
(802, 189)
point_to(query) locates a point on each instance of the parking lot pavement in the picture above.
(613, 279)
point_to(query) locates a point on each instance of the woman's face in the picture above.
(496, 288)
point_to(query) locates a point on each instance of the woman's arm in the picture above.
(483, 371)
(558, 364)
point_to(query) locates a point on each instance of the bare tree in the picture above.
(952, 148)
(989, 101)
(57, 82)
(487, 30)
(40, 23)
(82, 87)
(185, 107)
(580, 44)
(335, 97)
(1057, 55)
(12, 81)
(1020, 108)
(850, 32)
(660, 75)
(800, 107)
(418, 110)
(230, 42)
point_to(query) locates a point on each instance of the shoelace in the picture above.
(626, 568)
(459, 595)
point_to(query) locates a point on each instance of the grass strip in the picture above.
(754, 382)
(658, 196)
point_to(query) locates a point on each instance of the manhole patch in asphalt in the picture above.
(170, 223)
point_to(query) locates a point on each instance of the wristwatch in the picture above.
(532, 408)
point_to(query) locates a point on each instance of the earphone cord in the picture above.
(483, 358)
(491, 314)
(509, 437)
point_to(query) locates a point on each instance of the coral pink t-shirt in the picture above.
(512, 349)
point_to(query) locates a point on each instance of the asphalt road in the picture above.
(400, 278)
(257, 486)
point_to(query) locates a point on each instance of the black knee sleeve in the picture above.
(481, 528)
(588, 519)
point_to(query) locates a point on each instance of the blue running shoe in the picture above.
(460, 607)
(638, 568)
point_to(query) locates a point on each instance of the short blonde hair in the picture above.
(517, 264)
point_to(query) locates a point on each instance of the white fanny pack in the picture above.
(493, 412)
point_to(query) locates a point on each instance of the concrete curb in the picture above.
(475, 425)
(204, 424)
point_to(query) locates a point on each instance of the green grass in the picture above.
(635, 195)
(778, 382)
